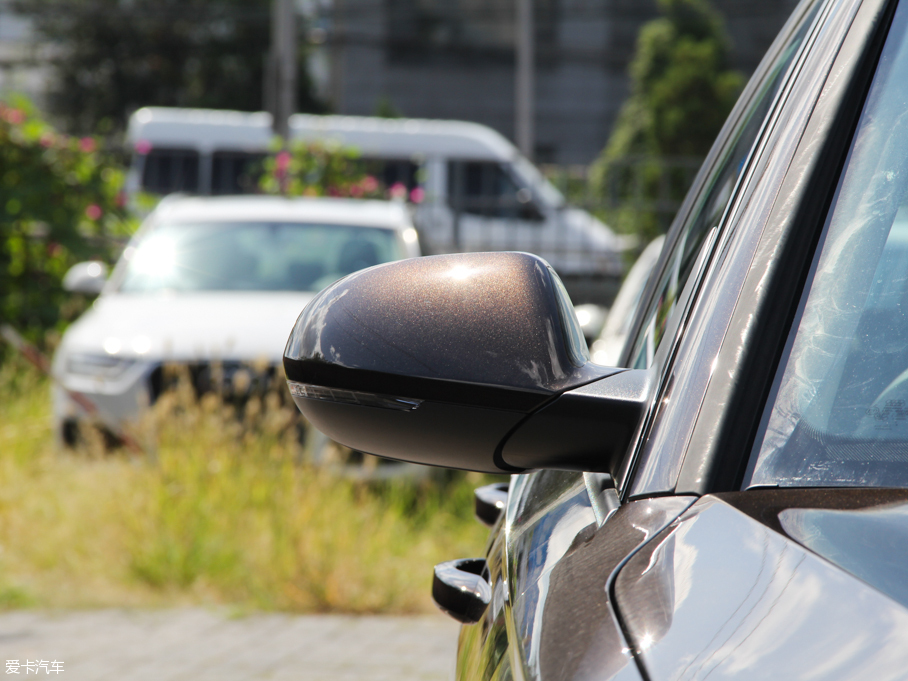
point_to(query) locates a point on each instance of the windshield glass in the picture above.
(838, 415)
(263, 256)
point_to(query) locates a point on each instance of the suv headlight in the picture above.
(99, 366)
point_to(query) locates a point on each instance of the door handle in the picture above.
(490, 502)
(461, 590)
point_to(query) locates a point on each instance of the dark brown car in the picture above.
(733, 501)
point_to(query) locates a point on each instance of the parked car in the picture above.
(211, 284)
(478, 193)
(731, 500)
(606, 348)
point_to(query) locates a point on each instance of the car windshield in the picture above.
(253, 256)
(838, 414)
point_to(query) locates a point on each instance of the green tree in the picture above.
(682, 90)
(117, 55)
(61, 202)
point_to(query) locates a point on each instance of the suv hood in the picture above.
(229, 325)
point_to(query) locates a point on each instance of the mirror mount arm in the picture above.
(588, 429)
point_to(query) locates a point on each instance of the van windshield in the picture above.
(242, 256)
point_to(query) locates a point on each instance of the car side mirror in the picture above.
(86, 277)
(473, 361)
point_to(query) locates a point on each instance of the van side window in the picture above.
(485, 188)
(391, 171)
(234, 172)
(171, 170)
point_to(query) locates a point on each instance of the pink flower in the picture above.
(15, 116)
(398, 191)
(356, 191)
(93, 211)
(121, 198)
(47, 140)
(87, 145)
(417, 195)
(143, 147)
(282, 162)
(369, 184)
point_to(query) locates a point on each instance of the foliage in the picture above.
(325, 169)
(682, 89)
(118, 56)
(60, 202)
(224, 513)
(385, 108)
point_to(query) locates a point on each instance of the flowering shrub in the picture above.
(327, 169)
(317, 169)
(61, 202)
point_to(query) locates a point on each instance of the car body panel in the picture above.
(240, 325)
(550, 563)
(606, 349)
(721, 595)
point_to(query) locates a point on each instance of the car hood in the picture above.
(246, 326)
(742, 589)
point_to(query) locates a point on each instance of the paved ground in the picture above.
(197, 644)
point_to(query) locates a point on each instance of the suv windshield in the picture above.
(264, 256)
(838, 414)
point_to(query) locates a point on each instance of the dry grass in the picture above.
(223, 513)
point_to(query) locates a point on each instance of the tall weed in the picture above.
(221, 511)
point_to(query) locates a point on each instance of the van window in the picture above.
(232, 172)
(390, 171)
(486, 188)
(171, 170)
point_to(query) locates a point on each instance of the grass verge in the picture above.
(222, 514)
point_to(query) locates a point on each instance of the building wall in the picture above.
(464, 69)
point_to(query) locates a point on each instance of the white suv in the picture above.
(211, 281)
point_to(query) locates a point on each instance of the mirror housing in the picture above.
(87, 278)
(443, 360)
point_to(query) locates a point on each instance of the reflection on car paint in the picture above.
(480, 318)
(871, 544)
(561, 563)
(483, 647)
(695, 609)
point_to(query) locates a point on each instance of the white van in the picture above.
(478, 192)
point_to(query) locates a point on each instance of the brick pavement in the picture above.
(201, 645)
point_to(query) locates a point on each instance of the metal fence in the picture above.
(640, 189)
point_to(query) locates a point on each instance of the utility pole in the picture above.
(280, 92)
(524, 85)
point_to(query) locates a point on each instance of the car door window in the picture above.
(718, 190)
(838, 413)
